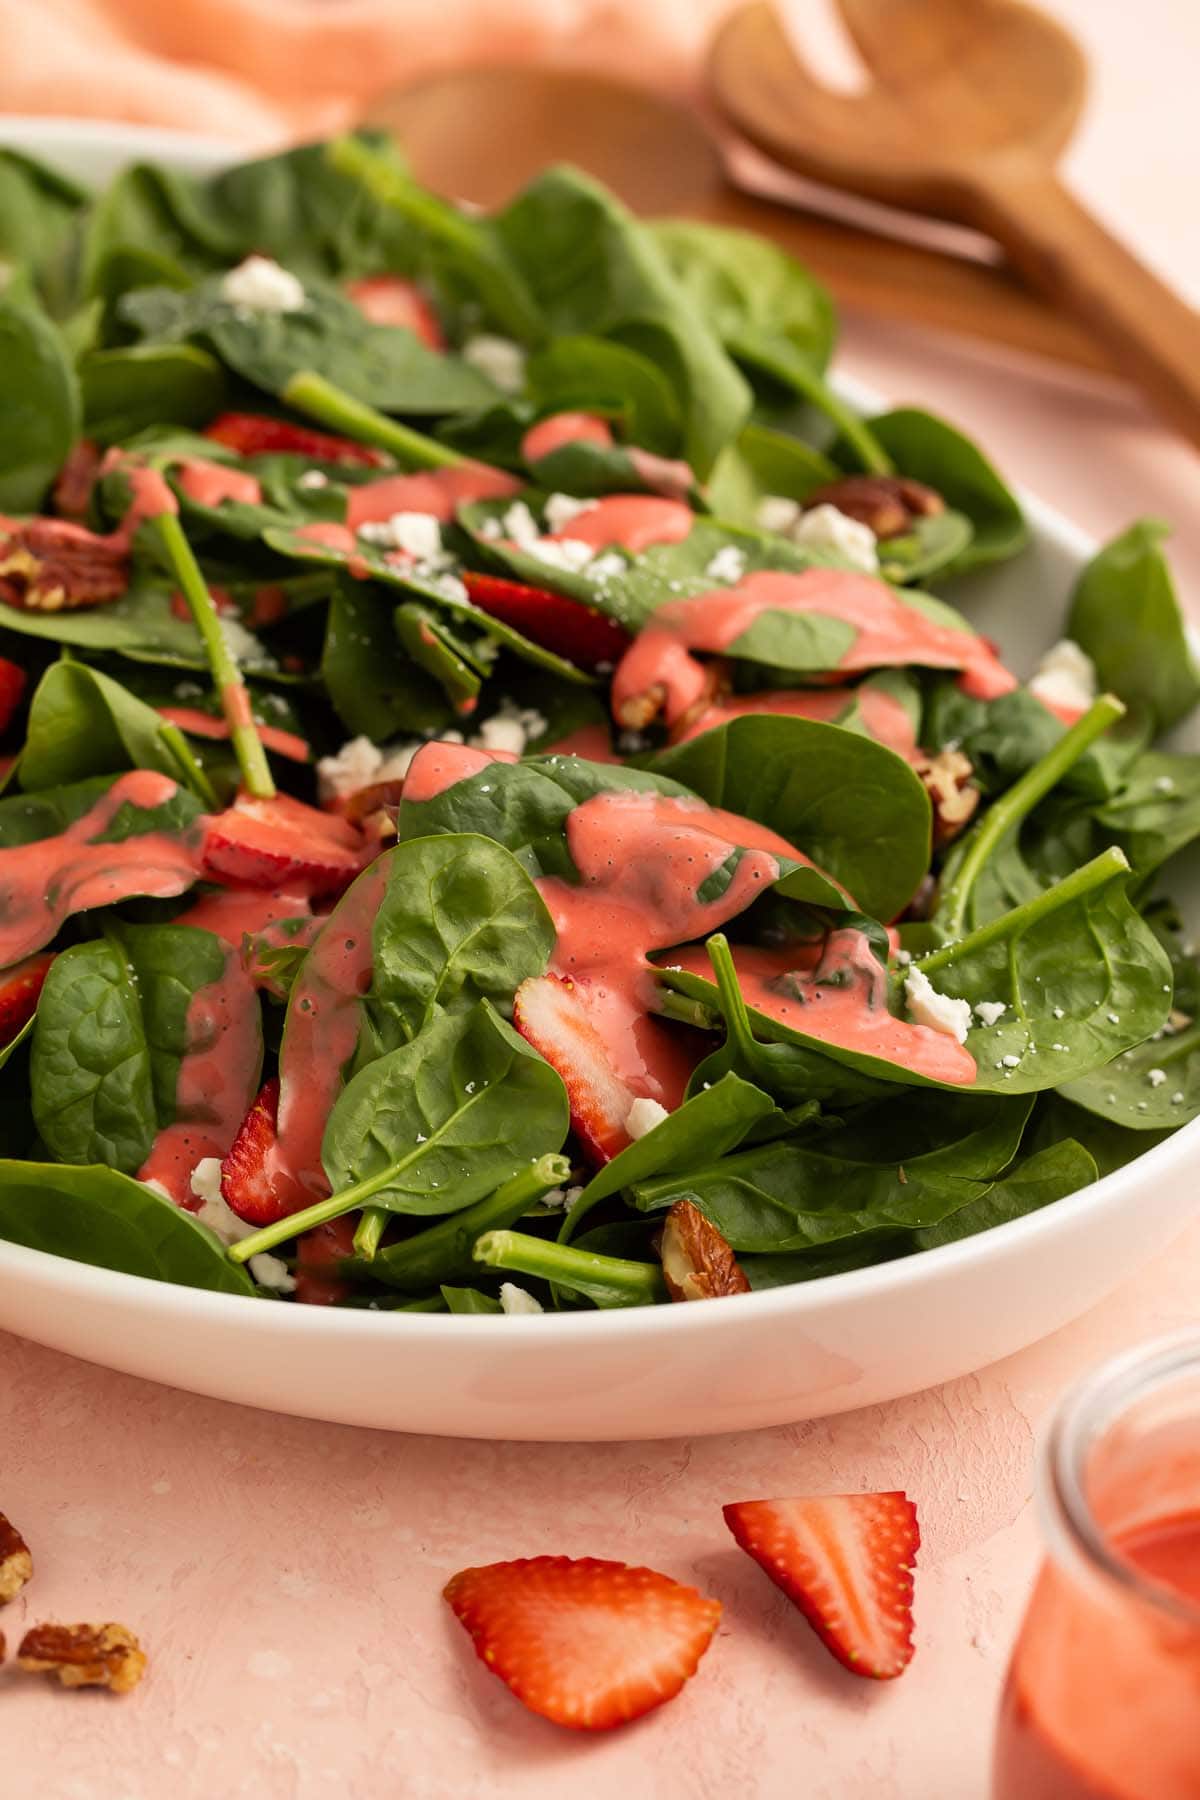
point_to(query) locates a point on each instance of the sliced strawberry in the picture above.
(846, 1561)
(586, 1643)
(256, 434)
(318, 1254)
(283, 842)
(566, 627)
(550, 1014)
(391, 300)
(247, 1180)
(20, 988)
(12, 688)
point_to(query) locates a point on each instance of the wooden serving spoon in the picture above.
(480, 134)
(971, 103)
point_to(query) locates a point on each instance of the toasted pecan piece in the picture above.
(52, 565)
(697, 1262)
(107, 1656)
(76, 478)
(16, 1563)
(947, 778)
(887, 503)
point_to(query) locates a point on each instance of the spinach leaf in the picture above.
(1153, 1087)
(470, 1300)
(1006, 736)
(25, 818)
(98, 1216)
(39, 211)
(383, 365)
(372, 686)
(930, 450)
(39, 405)
(592, 268)
(445, 1119)
(1038, 1180)
(855, 807)
(142, 624)
(459, 922)
(81, 723)
(127, 389)
(762, 462)
(141, 212)
(448, 658)
(763, 304)
(1109, 1145)
(110, 1035)
(442, 1252)
(1125, 614)
(714, 1120)
(577, 373)
(525, 807)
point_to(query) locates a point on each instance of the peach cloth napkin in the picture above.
(266, 70)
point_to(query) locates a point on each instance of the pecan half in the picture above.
(52, 565)
(76, 478)
(947, 779)
(697, 1262)
(106, 1656)
(16, 1563)
(887, 503)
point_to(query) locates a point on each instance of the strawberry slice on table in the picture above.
(586, 1643)
(12, 689)
(282, 842)
(20, 989)
(257, 434)
(391, 300)
(550, 1014)
(566, 627)
(846, 1561)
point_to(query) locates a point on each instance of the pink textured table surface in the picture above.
(285, 1575)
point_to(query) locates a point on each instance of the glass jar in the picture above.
(1103, 1694)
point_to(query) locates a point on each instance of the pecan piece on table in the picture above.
(887, 503)
(16, 1563)
(107, 1656)
(52, 565)
(697, 1262)
(947, 778)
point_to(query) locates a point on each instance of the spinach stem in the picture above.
(609, 1280)
(444, 1250)
(1012, 808)
(190, 766)
(1019, 919)
(227, 677)
(347, 1200)
(310, 393)
(858, 434)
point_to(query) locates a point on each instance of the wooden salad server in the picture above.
(479, 134)
(970, 104)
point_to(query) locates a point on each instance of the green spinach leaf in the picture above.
(1125, 614)
(39, 405)
(928, 449)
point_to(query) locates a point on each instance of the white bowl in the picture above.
(763, 1359)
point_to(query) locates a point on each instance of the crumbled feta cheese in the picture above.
(446, 583)
(1156, 1077)
(903, 958)
(1010, 1061)
(825, 528)
(560, 509)
(1059, 1013)
(491, 529)
(516, 1300)
(417, 534)
(571, 554)
(643, 1116)
(561, 1199)
(312, 479)
(777, 513)
(1164, 785)
(729, 564)
(938, 1011)
(988, 1011)
(1066, 677)
(498, 358)
(156, 1187)
(259, 285)
(214, 1211)
(520, 525)
(605, 568)
(510, 729)
(355, 766)
(1114, 1018)
(241, 644)
(272, 1272)
(1177, 1098)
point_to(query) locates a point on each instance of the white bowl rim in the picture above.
(386, 1329)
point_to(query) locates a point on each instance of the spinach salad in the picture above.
(501, 810)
